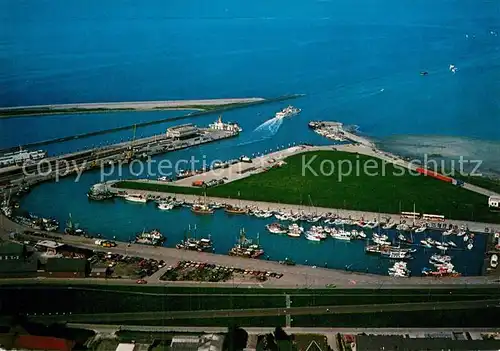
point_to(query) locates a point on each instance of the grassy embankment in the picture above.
(489, 183)
(393, 192)
(115, 299)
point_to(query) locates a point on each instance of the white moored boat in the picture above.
(312, 237)
(341, 235)
(165, 206)
(136, 198)
(276, 228)
(295, 231)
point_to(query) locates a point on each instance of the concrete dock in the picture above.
(78, 162)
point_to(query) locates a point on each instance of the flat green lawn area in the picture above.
(392, 190)
(78, 300)
(484, 182)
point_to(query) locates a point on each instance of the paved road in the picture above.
(262, 312)
(107, 328)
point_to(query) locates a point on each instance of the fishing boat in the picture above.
(380, 239)
(295, 231)
(235, 210)
(421, 229)
(262, 214)
(341, 235)
(440, 258)
(389, 225)
(451, 243)
(165, 206)
(399, 269)
(358, 234)
(371, 224)
(136, 198)
(154, 238)
(99, 192)
(396, 253)
(276, 228)
(217, 205)
(192, 244)
(451, 231)
(312, 236)
(73, 228)
(376, 249)
(245, 247)
(403, 227)
(282, 216)
(202, 209)
(461, 233)
(442, 271)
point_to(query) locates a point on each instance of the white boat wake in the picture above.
(271, 125)
(265, 130)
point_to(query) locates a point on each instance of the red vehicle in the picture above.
(141, 281)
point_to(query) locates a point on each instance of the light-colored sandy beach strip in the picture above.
(137, 105)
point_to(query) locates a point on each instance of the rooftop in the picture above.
(49, 244)
(125, 347)
(32, 342)
(398, 342)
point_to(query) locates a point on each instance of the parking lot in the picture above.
(123, 266)
(207, 272)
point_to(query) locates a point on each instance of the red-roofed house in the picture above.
(46, 343)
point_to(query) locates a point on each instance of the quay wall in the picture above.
(478, 227)
(90, 159)
(235, 105)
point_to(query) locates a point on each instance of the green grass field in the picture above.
(484, 182)
(89, 299)
(392, 190)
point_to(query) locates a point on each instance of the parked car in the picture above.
(141, 281)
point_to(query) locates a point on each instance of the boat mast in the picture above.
(414, 214)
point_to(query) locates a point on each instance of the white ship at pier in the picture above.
(230, 127)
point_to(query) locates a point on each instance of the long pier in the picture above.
(211, 107)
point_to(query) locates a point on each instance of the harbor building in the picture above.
(21, 157)
(183, 131)
(399, 342)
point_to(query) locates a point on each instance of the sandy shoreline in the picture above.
(137, 105)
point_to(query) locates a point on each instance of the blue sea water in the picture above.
(358, 62)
